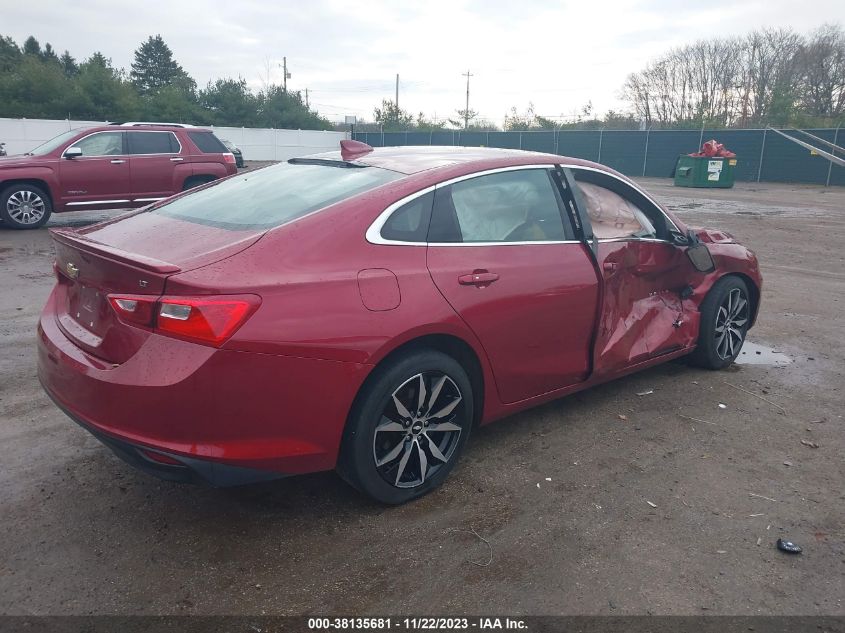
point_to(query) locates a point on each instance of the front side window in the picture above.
(617, 210)
(101, 144)
(152, 143)
(511, 206)
(613, 216)
(274, 195)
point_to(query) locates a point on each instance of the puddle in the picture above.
(756, 354)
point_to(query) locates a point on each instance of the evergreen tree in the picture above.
(48, 54)
(154, 67)
(228, 102)
(31, 46)
(69, 64)
(10, 54)
(98, 59)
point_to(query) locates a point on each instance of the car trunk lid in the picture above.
(134, 256)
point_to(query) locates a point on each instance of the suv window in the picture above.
(274, 195)
(511, 206)
(153, 143)
(616, 210)
(409, 223)
(207, 143)
(101, 144)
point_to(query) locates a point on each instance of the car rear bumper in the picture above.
(227, 416)
(178, 468)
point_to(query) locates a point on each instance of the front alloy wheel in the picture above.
(731, 321)
(408, 427)
(24, 207)
(725, 317)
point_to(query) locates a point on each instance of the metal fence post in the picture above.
(430, 137)
(833, 151)
(520, 140)
(601, 133)
(645, 154)
(762, 149)
(554, 136)
(382, 136)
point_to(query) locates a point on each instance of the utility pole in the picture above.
(285, 73)
(306, 99)
(466, 112)
(397, 92)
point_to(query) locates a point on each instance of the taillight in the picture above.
(137, 309)
(210, 320)
(229, 158)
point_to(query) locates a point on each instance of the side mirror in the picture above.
(73, 152)
(701, 258)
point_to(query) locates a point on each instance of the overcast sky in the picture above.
(557, 54)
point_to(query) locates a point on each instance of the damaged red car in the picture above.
(366, 309)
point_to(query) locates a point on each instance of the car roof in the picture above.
(411, 159)
(142, 128)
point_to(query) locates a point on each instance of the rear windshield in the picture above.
(207, 143)
(274, 195)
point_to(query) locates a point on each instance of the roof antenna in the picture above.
(350, 149)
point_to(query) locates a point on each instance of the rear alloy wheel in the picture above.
(409, 429)
(24, 207)
(725, 317)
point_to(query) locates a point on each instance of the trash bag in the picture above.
(714, 149)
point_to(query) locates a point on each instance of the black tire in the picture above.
(719, 346)
(419, 442)
(24, 206)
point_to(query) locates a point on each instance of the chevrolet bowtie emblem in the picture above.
(72, 271)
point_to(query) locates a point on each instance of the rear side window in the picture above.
(208, 143)
(152, 143)
(409, 223)
(274, 195)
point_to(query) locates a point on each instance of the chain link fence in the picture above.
(762, 155)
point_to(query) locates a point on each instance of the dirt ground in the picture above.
(584, 512)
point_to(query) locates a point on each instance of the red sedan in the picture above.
(365, 309)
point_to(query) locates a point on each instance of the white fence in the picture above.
(22, 135)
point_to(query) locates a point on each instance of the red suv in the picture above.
(108, 167)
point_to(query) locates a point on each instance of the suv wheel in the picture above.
(24, 206)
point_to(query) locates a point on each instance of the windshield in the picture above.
(274, 195)
(53, 143)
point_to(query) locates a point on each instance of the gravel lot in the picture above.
(585, 512)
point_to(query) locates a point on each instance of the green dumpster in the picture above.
(705, 171)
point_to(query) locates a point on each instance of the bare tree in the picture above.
(767, 77)
(822, 63)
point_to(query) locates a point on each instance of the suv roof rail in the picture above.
(153, 124)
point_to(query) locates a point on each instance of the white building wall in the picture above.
(22, 135)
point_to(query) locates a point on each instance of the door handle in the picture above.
(610, 267)
(118, 161)
(176, 160)
(478, 278)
